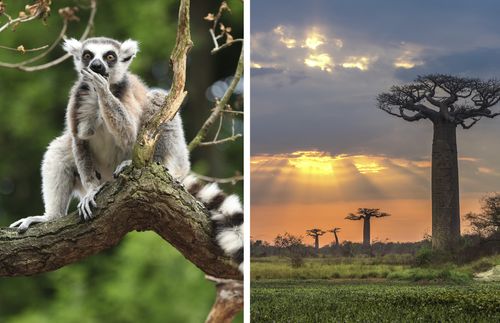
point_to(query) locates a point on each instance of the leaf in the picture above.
(209, 17)
(69, 13)
(224, 6)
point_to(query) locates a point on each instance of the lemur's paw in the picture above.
(84, 207)
(99, 82)
(121, 167)
(23, 224)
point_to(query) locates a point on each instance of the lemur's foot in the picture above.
(84, 207)
(23, 224)
(121, 167)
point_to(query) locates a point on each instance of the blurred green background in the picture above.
(143, 279)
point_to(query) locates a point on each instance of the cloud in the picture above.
(478, 62)
(319, 177)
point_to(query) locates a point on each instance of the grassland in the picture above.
(378, 289)
(392, 267)
(358, 301)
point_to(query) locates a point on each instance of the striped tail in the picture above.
(226, 213)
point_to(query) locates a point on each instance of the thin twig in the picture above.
(221, 119)
(22, 65)
(218, 48)
(16, 21)
(221, 141)
(202, 133)
(22, 50)
(233, 179)
(233, 112)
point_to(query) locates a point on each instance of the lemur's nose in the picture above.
(97, 66)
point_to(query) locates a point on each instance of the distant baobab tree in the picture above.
(315, 233)
(334, 231)
(366, 215)
(447, 101)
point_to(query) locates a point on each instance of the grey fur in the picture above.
(101, 129)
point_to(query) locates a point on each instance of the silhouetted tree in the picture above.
(486, 223)
(334, 231)
(315, 233)
(292, 245)
(366, 215)
(446, 101)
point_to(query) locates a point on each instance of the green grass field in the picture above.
(359, 301)
(386, 289)
(392, 267)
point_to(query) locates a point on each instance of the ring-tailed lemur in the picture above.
(106, 108)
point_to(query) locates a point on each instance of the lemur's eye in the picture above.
(110, 57)
(87, 56)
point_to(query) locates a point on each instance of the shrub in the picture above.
(424, 257)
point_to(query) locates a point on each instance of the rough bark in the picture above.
(445, 188)
(366, 231)
(228, 302)
(140, 199)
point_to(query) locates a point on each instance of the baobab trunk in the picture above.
(336, 239)
(445, 191)
(366, 232)
(316, 243)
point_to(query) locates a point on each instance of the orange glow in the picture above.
(293, 192)
(410, 220)
(312, 162)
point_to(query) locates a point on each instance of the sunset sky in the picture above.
(321, 148)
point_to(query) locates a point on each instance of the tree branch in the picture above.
(146, 140)
(140, 199)
(23, 65)
(202, 133)
(228, 302)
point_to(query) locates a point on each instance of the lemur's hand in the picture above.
(99, 82)
(84, 207)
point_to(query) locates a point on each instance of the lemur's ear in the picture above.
(128, 49)
(72, 46)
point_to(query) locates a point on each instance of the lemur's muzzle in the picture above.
(98, 67)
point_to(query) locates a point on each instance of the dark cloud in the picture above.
(256, 72)
(479, 62)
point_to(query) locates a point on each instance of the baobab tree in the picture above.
(315, 233)
(334, 231)
(447, 101)
(366, 215)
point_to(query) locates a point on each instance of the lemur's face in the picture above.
(104, 56)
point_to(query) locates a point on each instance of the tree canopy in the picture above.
(443, 98)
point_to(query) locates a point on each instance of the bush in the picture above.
(423, 257)
(296, 261)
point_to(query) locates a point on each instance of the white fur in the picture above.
(217, 216)
(231, 239)
(72, 46)
(208, 192)
(129, 48)
(189, 181)
(231, 205)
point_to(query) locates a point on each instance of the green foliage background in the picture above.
(143, 279)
